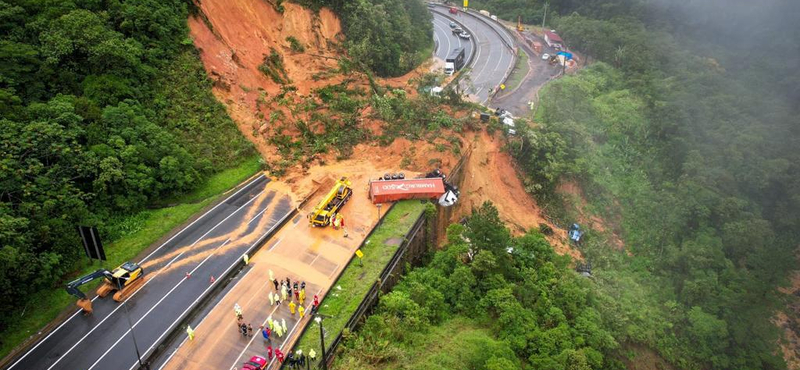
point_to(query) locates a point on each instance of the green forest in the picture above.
(486, 301)
(687, 142)
(387, 37)
(106, 110)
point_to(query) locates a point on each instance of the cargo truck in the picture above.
(454, 61)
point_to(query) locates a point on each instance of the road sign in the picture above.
(91, 242)
(359, 253)
(466, 3)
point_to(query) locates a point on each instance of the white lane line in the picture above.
(180, 317)
(199, 218)
(154, 307)
(147, 282)
(140, 262)
(252, 339)
(446, 38)
(171, 290)
(276, 243)
(296, 325)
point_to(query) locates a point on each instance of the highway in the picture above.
(177, 277)
(493, 59)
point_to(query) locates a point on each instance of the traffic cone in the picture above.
(188, 275)
(212, 279)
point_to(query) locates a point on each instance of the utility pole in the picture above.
(130, 325)
(545, 14)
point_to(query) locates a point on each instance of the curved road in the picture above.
(492, 57)
(209, 246)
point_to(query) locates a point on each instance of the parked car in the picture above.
(255, 363)
(453, 25)
(545, 56)
(464, 35)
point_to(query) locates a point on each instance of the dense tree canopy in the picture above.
(105, 109)
(690, 142)
(534, 310)
(389, 37)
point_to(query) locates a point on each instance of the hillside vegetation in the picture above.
(687, 142)
(479, 305)
(388, 37)
(105, 110)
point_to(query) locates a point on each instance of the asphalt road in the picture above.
(446, 40)
(207, 247)
(492, 59)
(518, 101)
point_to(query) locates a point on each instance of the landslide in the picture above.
(235, 36)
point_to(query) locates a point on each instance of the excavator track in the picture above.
(126, 292)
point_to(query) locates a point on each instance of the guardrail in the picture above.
(175, 329)
(471, 55)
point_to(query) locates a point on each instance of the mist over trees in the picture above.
(684, 131)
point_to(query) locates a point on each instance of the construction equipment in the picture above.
(331, 204)
(519, 23)
(125, 280)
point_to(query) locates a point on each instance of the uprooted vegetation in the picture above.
(332, 120)
(274, 69)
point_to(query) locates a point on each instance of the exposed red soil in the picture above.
(241, 35)
(490, 175)
(573, 190)
(789, 321)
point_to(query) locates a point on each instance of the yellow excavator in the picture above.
(333, 202)
(125, 280)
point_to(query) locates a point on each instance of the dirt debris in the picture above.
(572, 190)
(489, 166)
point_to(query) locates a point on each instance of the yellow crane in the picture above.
(331, 204)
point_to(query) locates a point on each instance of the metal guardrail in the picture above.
(175, 329)
(460, 73)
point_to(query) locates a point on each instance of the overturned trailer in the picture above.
(390, 189)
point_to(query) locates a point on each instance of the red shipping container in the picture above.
(382, 191)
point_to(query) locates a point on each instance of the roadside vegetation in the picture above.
(106, 110)
(521, 69)
(357, 278)
(689, 152)
(477, 305)
(337, 117)
(387, 37)
(126, 237)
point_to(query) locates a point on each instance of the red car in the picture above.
(453, 10)
(255, 363)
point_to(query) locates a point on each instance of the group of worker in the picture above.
(298, 358)
(284, 290)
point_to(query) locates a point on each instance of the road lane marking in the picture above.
(147, 281)
(261, 239)
(140, 262)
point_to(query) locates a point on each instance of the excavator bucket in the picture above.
(86, 305)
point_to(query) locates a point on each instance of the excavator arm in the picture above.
(72, 287)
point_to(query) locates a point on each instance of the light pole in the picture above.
(318, 319)
(130, 326)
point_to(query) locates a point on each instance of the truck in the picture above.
(453, 10)
(125, 280)
(431, 186)
(454, 61)
(331, 204)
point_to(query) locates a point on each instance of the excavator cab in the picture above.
(125, 279)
